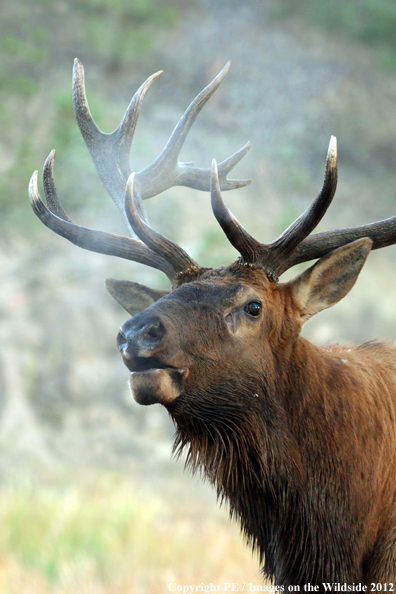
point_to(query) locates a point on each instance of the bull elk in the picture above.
(301, 440)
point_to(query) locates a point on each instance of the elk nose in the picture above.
(121, 340)
(139, 338)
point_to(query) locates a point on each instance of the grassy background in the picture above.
(106, 534)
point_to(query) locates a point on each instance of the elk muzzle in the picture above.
(142, 342)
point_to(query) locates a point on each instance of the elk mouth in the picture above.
(138, 364)
(152, 381)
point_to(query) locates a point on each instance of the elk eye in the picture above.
(253, 308)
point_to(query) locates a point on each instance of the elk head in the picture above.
(189, 339)
(234, 322)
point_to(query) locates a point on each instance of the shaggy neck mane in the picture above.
(242, 445)
(229, 442)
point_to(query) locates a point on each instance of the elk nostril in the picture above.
(121, 340)
(155, 330)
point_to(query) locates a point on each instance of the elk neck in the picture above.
(267, 449)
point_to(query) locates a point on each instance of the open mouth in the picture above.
(138, 364)
(152, 381)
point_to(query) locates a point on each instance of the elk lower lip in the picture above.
(156, 385)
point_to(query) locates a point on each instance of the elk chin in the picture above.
(157, 386)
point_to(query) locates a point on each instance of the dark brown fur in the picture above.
(299, 439)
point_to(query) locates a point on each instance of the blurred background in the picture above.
(90, 498)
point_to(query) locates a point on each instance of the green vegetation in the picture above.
(369, 22)
(114, 31)
(38, 42)
(105, 535)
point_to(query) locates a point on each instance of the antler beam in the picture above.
(110, 153)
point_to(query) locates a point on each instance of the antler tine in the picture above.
(242, 241)
(179, 260)
(109, 152)
(285, 245)
(382, 233)
(179, 134)
(49, 188)
(225, 167)
(200, 179)
(166, 171)
(89, 239)
(277, 256)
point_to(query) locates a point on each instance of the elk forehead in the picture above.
(209, 294)
(222, 288)
(219, 291)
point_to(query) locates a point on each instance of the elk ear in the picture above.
(133, 297)
(331, 278)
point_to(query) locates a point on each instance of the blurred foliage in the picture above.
(37, 41)
(110, 30)
(105, 535)
(370, 22)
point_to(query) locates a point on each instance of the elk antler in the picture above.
(110, 154)
(179, 260)
(294, 246)
(89, 239)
